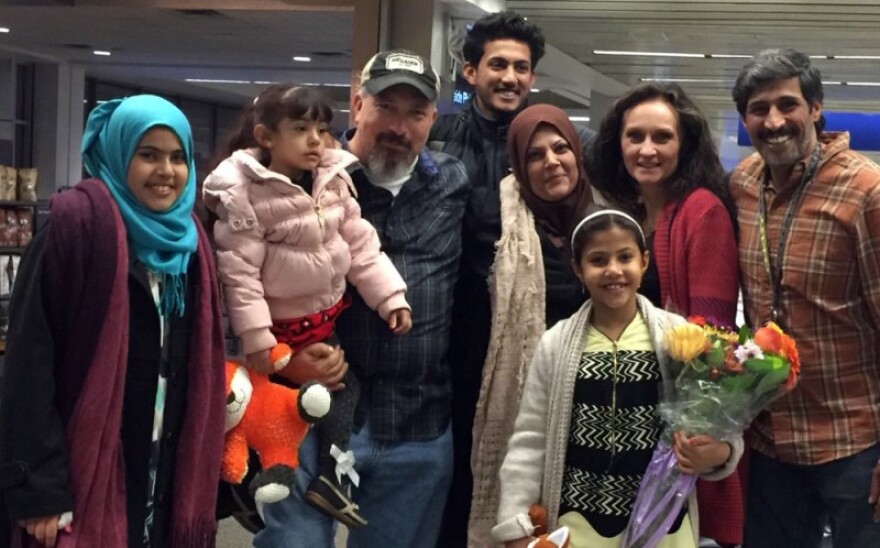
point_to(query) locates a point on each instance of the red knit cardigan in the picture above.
(696, 253)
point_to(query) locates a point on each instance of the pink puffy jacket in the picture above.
(283, 254)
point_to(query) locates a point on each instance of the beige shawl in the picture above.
(517, 289)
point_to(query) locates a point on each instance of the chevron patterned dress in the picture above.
(613, 430)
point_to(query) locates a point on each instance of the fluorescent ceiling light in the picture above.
(101, 52)
(832, 83)
(687, 80)
(4, 30)
(579, 118)
(302, 59)
(729, 56)
(344, 110)
(857, 57)
(215, 81)
(862, 83)
(535, 90)
(820, 57)
(264, 82)
(329, 85)
(647, 53)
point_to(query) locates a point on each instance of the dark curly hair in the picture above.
(273, 104)
(504, 25)
(771, 65)
(698, 163)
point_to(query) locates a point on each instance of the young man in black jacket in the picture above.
(500, 51)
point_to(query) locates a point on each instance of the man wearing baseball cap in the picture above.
(402, 444)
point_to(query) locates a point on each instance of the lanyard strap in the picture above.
(776, 273)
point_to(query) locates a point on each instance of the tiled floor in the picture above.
(232, 535)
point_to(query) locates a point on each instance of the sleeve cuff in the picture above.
(726, 469)
(392, 303)
(513, 528)
(256, 340)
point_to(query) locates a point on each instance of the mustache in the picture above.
(393, 139)
(785, 131)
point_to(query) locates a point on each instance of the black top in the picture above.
(46, 491)
(651, 280)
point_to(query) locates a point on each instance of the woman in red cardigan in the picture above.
(654, 158)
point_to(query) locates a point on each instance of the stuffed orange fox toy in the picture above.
(557, 539)
(272, 419)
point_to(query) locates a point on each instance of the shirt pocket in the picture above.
(820, 260)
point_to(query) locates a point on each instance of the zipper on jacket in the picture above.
(613, 406)
(320, 213)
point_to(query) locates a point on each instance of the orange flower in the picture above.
(789, 349)
(699, 320)
(731, 362)
(769, 339)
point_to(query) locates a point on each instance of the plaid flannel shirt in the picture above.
(405, 385)
(830, 301)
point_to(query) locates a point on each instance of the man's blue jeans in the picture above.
(787, 504)
(402, 493)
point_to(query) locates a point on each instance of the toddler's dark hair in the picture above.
(275, 103)
(595, 219)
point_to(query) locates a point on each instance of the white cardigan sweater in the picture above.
(533, 468)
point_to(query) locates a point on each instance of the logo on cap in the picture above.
(400, 61)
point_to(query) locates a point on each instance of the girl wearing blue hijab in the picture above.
(162, 239)
(116, 354)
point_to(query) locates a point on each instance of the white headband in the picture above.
(601, 212)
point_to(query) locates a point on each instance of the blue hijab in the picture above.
(162, 241)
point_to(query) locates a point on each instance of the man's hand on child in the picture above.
(260, 362)
(699, 454)
(317, 362)
(400, 321)
(44, 529)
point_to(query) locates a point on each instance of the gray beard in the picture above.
(384, 165)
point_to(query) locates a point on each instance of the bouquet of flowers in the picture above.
(723, 379)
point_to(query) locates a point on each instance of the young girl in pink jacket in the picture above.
(289, 234)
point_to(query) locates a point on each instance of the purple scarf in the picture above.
(86, 279)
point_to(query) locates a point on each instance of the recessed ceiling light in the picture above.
(4, 30)
(302, 59)
(101, 52)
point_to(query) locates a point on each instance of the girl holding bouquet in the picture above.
(654, 157)
(587, 425)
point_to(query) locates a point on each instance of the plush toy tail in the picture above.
(280, 356)
(538, 517)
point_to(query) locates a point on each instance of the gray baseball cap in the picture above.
(394, 67)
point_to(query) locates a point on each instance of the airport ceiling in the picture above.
(166, 47)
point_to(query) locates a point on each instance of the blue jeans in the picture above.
(402, 492)
(787, 504)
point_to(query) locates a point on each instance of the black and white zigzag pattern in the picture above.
(635, 427)
(632, 365)
(601, 494)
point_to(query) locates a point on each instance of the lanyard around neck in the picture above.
(775, 273)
